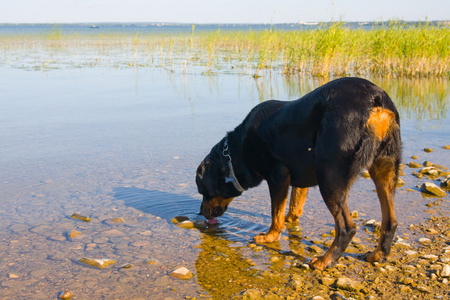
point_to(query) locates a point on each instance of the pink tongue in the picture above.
(213, 221)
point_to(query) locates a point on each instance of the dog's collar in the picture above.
(231, 177)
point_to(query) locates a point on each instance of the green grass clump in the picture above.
(395, 50)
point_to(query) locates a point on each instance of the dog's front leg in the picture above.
(279, 188)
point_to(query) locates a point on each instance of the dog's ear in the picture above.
(207, 176)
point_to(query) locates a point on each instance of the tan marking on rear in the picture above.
(381, 122)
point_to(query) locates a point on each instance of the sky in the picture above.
(223, 11)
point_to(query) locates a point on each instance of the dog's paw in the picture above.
(266, 238)
(291, 218)
(376, 256)
(321, 263)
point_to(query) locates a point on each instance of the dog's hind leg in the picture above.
(335, 197)
(383, 173)
(298, 198)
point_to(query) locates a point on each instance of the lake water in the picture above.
(105, 142)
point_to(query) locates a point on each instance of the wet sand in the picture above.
(107, 144)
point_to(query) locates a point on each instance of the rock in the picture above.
(429, 171)
(182, 273)
(446, 183)
(13, 276)
(424, 241)
(365, 174)
(430, 257)
(125, 266)
(348, 284)
(251, 294)
(428, 150)
(400, 182)
(414, 165)
(354, 214)
(431, 188)
(117, 220)
(445, 272)
(372, 223)
(414, 157)
(151, 261)
(428, 163)
(186, 224)
(73, 234)
(423, 288)
(80, 217)
(97, 262)
(446, 147)
(65, 295)
(411, 253)
(327, 281)
(179, 219)
(315, 249)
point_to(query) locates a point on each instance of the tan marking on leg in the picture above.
(383, 175)
(274, 233)
(381, 122)
(298, 198)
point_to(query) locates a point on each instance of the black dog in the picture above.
(325, 138)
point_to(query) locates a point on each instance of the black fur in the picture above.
(320, 139)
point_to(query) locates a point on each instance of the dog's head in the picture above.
(217, 194)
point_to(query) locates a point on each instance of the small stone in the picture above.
(372, 223)
(430, 257)
(354, 214)
(97, 263)
(445, 272)
(348, 284)
(423, 288)
(411, 253)
(274, 259)
(179, 219)
(317, 298)
(365, 174)
(251, 294)
(414, 165)
(408, 281)
(80, 217)
(65, 295)
(428, 150)
(424, 241)
(405, 289)
(117, 220)
(446, 183)
(327, 281)
(431, 188)
(186, 224)
(112, 233)
(73, 234)
(414, 157)
(125, 266)
(400, 182)
(13, 276)
(446, 147)
(151, 261)
(428, 163)
(182, 273)
(315, 249)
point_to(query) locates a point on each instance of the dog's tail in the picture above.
(383, 118)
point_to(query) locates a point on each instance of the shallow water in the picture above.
(108, 143)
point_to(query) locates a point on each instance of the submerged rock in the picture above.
(179, 219)
(348, 284)
(117, 220)
(65, 295)
(414, 164)
(431, 188)
(80, 217)
(182, 273)
(99, 263)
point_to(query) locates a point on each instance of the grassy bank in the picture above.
(395, 50)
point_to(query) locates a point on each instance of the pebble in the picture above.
(445, 272)
(73, 234)
(446, 183)
(345, 283)
(414, 165)
(315, 249)
(65, 295)
(431, 257)
(446, 147)
(179, 219)
(151, 261)
(97, 263)
(117, 220)
(428, 150)
(431, 188)
(80, 217)
(182, 273)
